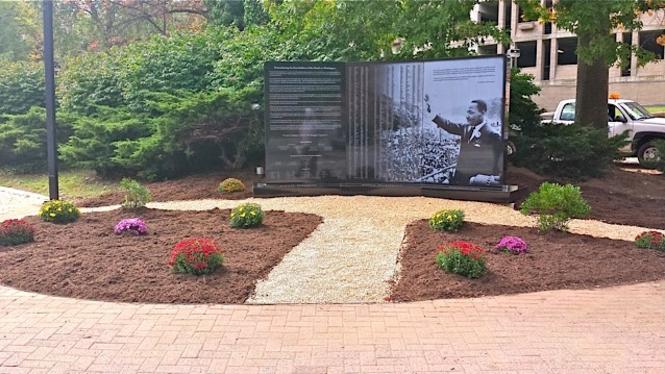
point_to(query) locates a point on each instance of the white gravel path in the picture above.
(16, 203)
(352, 255)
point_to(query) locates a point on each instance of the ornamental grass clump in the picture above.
(58, 211)
(16, 231)
(136, 194)
(246, 215)
(196, 256)
(229, 185)
(132, 226)
(511, 244)
(463, 258)
(651, 240)
(447, 220)
(556, 205)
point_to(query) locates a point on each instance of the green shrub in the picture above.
(524, 112)
(161, 108)
(651, 240)
(16, 231)
(136, 194)
(21, 86)
(23, 139)
(566, 151)
(462, 258)
(58, 211)
(246, 215)
(229, 185)
(447, 220)
(555, 205)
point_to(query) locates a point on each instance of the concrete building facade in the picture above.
(548, 53)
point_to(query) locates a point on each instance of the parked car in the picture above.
(624, 115)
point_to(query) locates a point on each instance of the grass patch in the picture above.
(73, 183)
(656, 108)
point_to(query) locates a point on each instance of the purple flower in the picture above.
(134, 226)
(512, 244)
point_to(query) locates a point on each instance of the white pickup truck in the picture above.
(624, 115)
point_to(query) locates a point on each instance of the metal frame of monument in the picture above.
(314, 186)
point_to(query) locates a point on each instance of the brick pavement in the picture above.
(611, 330)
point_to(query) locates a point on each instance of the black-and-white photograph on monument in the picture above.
(439, 121)
(435, 122)
(462, 118)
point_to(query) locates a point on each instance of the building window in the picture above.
(547, 29)
(627, 39)
(487, 49)
(649, 42)
(566, 52)
(527, 57)
(489, 12)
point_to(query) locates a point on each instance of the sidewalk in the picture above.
(613, 330)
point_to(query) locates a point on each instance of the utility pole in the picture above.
(49, 72)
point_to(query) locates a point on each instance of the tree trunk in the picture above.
(592, 87)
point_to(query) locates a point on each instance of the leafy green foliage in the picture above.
(566, 151)
(12, 46)
(524, 112)
(21, 87)
(16, 231)
(197, 256)
(23, 139)
(651, 240)
(246, 215)
(158, 109)
(450, 220)
(462, 258)
(590, 18)
(59, 211)
(556, 205)
(136, 194)
(229, 185)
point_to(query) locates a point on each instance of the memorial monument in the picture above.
(431, 128)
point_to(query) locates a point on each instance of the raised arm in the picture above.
(451, 127)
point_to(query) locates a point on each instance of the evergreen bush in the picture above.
(555, 205)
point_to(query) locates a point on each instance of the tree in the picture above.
(12, 45)
(593, 22)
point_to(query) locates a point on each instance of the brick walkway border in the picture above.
(612, 330)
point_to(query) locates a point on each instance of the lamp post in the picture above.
(513, 54)
(49, 75)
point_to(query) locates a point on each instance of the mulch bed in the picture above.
(193, 187)
(555, 261)
(87, 260)
(620, 197)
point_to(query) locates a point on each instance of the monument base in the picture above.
(496, 194)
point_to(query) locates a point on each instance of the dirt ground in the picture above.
(193, 187)
(87, 260)
(621, 197)
(554, 261)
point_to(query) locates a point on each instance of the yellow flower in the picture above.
(242, 215)
(52, 214)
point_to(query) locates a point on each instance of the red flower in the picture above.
(196, 256)
(465, 248)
